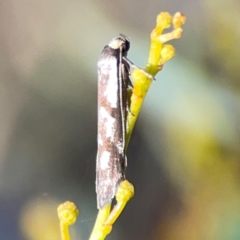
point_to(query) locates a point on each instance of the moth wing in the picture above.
(110, 157)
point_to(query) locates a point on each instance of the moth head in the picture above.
(122, 42)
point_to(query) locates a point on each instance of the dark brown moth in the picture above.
(113, 82)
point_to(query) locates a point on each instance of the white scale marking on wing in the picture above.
(120, 146)
(104, 160)
(111, 91)
(109, 122)
(100, 141)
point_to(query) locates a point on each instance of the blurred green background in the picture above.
(183, 158)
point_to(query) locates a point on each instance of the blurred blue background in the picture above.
(183, 157)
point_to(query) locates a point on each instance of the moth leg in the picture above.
(129, 94)
(125, 162)
(131, 64)
(125, 69)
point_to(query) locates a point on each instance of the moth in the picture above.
(113, 83)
